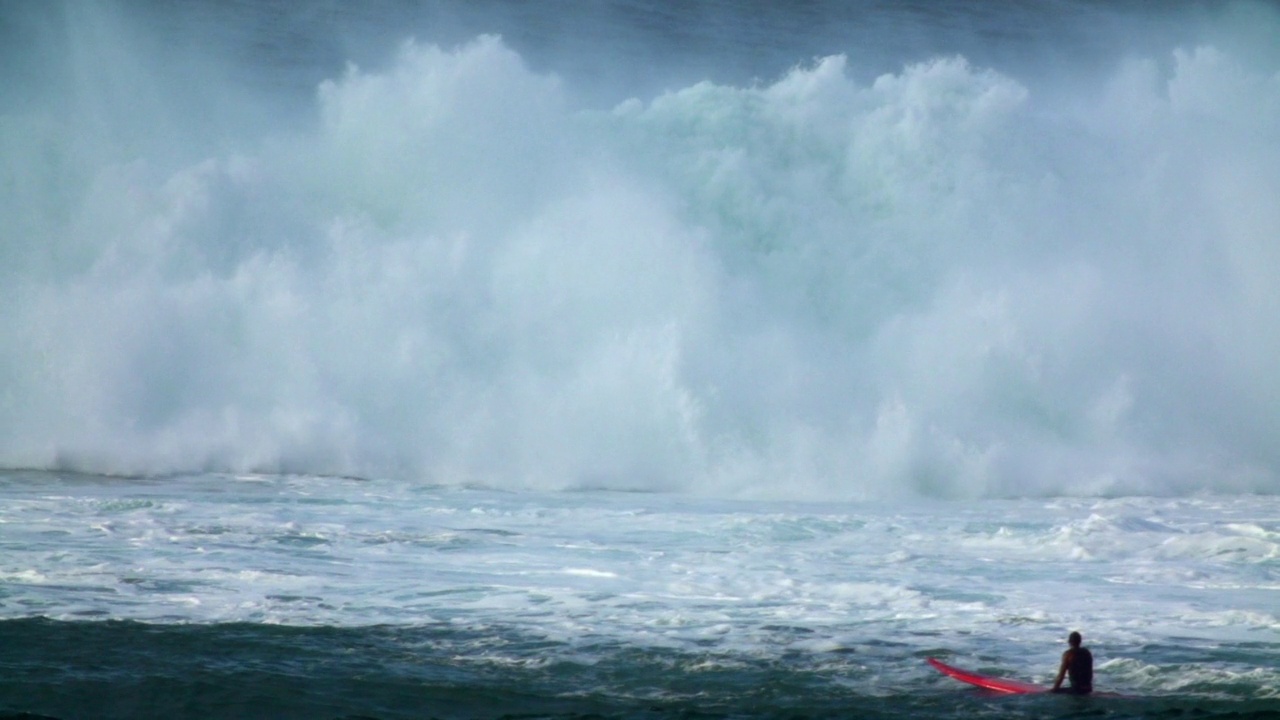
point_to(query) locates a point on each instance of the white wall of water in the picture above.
(948, 280)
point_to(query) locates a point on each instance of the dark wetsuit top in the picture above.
(1080, 670)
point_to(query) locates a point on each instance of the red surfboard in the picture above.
(1002, 685)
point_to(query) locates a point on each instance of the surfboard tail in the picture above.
(1003, 685)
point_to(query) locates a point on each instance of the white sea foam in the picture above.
(948, 280)
(642, 570)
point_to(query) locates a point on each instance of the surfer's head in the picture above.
(1074, 639)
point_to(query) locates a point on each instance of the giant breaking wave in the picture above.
(945, 281)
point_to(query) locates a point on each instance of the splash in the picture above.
(945, 281)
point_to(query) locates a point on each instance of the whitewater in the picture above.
(637, 359)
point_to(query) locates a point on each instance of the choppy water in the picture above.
(271, 596)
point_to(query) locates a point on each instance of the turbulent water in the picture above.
(270, 596)
(637, 359)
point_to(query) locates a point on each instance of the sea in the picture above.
(638, 359)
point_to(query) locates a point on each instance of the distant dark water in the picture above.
(612, 49)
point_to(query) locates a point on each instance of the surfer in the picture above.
(1077, 665)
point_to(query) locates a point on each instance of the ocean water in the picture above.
(298, 596)
(635, 359)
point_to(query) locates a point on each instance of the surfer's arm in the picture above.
(1062, 671)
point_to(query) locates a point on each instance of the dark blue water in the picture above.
(112, 669)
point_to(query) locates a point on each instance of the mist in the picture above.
(442, 244)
